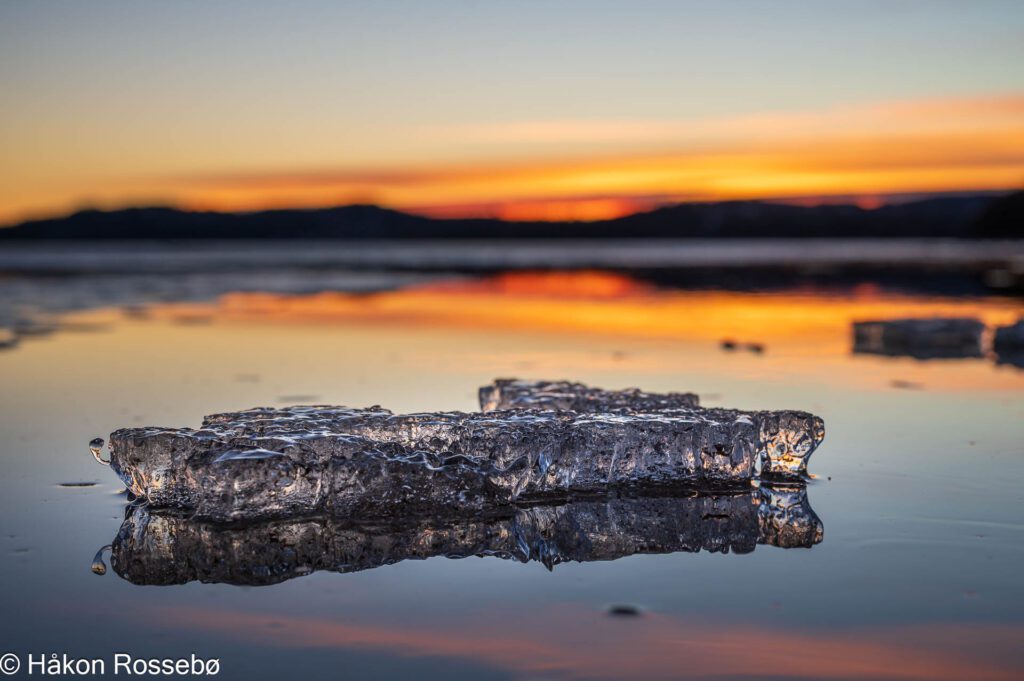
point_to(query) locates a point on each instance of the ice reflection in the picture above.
(935, 338)
(940, 338)
(162, 548)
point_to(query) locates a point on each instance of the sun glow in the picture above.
(592, 170)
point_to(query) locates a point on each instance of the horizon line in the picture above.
(492, 211)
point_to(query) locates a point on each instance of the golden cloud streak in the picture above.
(589, 169)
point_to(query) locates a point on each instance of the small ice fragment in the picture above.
(1010, 337)
(904, 384)
(932, 338)
(1008, 344)
(729, 345)
(96, 446)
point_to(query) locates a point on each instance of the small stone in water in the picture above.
(624, 610)
(904, 385)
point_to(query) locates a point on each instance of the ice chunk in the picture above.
(370, 462)
(1010, 337)
(154, 547)
(511, 393)
(935, 338)
(1008, 344)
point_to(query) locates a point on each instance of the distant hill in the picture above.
(980, 216)
(1003, 218)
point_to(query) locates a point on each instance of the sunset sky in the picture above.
(527, 109)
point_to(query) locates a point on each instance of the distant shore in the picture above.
(970, 217)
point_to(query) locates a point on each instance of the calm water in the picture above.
(919, 487)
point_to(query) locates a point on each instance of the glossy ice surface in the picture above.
(918, 489)
(371, 463)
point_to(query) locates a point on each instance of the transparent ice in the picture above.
(370, 462)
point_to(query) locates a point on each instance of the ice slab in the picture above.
(1010, 337)
(512, 393)
(1008, 344)
(372, 463)
(935, 338)
(154, 547)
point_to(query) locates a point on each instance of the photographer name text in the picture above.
(118, 664)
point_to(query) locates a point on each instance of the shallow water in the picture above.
(919, 488)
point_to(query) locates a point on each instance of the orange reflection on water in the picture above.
(598, 302)
(687, 326)
(551, 284)
(574, 642)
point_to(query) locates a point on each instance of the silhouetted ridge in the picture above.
(960, 217)
(948, 217)
(1003, 218)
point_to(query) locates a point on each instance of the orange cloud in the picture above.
(587, 169)
(917, 115)
(916, 146)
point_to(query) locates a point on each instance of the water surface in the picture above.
(918, 485)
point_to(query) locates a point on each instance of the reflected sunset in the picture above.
(685, 327)
(603, 303)
(552, 642)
